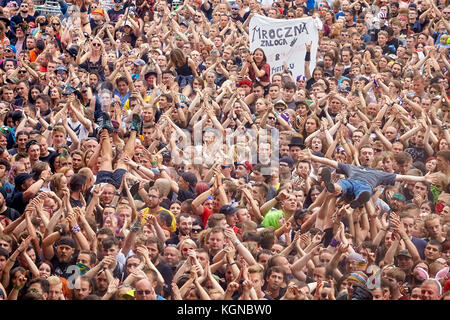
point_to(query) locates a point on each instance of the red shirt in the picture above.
(265, 78)
(205, 215)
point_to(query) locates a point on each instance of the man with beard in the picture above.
(65, 255)
(153, 200)
(184, 228)
(23, 15)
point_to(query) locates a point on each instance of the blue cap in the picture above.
(13, 49)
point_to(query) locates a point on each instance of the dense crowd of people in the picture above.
(146, 153)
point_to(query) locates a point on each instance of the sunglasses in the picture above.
(96, 45)
(186, 249)
(22, 71)
(141, 292)
(225, 167)
(196, 230)
(271, 118)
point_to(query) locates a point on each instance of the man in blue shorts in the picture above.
(361, 180)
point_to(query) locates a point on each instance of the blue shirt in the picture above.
(123, 99)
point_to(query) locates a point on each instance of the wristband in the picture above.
(356, 222)
(237, 242)
(153, 163)
(444, 127)
(334, 243)
(308, 56)
(75, 229)
(49, 128)
(275, 114)
(17, 287)
(138, 167)
(232, 263)
(13, 261)
(211, 190)
(406, 239)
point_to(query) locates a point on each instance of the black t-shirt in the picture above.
(47, 158)
(114, 15)
(75, 203)
(11, 213)
(17, 202)
(418, 154)
(19, 19)
(208, 13)
(281, 293)
(166, 273)
(62, 268)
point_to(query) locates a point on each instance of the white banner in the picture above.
(285, 41)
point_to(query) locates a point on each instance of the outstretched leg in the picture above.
(329, 185)
(105, 142)
(131, 143)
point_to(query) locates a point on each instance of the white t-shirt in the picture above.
(267, 3)
(79, 129)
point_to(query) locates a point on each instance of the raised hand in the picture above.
(112, 287)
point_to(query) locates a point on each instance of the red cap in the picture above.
(247, 165)
(245, 82)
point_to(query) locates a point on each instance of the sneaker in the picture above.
(106, 123)
(136, 123)
(326, 177)
(360, 200)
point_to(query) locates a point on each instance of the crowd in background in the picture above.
(147, 154)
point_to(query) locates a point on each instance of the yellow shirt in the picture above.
(127, 103)
(173, 226)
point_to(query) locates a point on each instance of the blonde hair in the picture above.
(188, 242)
(54, 280)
